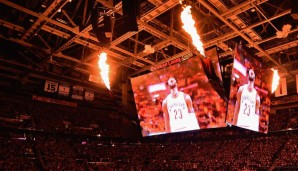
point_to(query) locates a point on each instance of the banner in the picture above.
(77, 92)
(63, 90)
(51, 86)
(89, 95)
(166, 64)
(55, 101)
(281, 89)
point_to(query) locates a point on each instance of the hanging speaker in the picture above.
(107, 26)
(130, 8)
(98, 30)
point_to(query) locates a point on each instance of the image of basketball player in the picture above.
(246, 114)
(178, 111)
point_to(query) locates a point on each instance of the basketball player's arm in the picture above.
(189, 104)
(166, 116)
(258, 101)
(237, 106)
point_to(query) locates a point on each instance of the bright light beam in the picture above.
(275, 80)
(189, 27)
(104, 69)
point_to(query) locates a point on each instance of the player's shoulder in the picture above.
(241, 88)
(165, 100)
(258, 96)
(186, 96)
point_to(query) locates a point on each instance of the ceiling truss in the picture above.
(162, 35)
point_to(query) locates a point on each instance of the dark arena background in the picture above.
(56, 113)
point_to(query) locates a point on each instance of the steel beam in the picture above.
(255, 45)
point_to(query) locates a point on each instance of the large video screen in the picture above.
(213, 57)
(249, 101)
(177, 98)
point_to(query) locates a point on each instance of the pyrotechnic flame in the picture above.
(104, 69)
(189, 27)
(275, 80)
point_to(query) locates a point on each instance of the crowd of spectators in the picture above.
(50, 117)
(43, 151)
(29, 114)
(41, 136)
(16, 154)
(284, 119)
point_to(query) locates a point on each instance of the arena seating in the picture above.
(35, 151)
(40, 136)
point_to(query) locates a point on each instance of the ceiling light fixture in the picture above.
(148, 49)
(284, 32)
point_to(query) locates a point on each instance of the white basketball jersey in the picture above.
(180, 118)
(247, 117)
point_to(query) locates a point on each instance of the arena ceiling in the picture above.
(53, 39)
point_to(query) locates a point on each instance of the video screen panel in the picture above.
(177, 98)
(213, 57)
(249, 99)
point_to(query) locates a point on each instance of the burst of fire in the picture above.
(189, 27)
(104, 69)
(275, 80)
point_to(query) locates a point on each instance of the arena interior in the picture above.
(57, 114)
